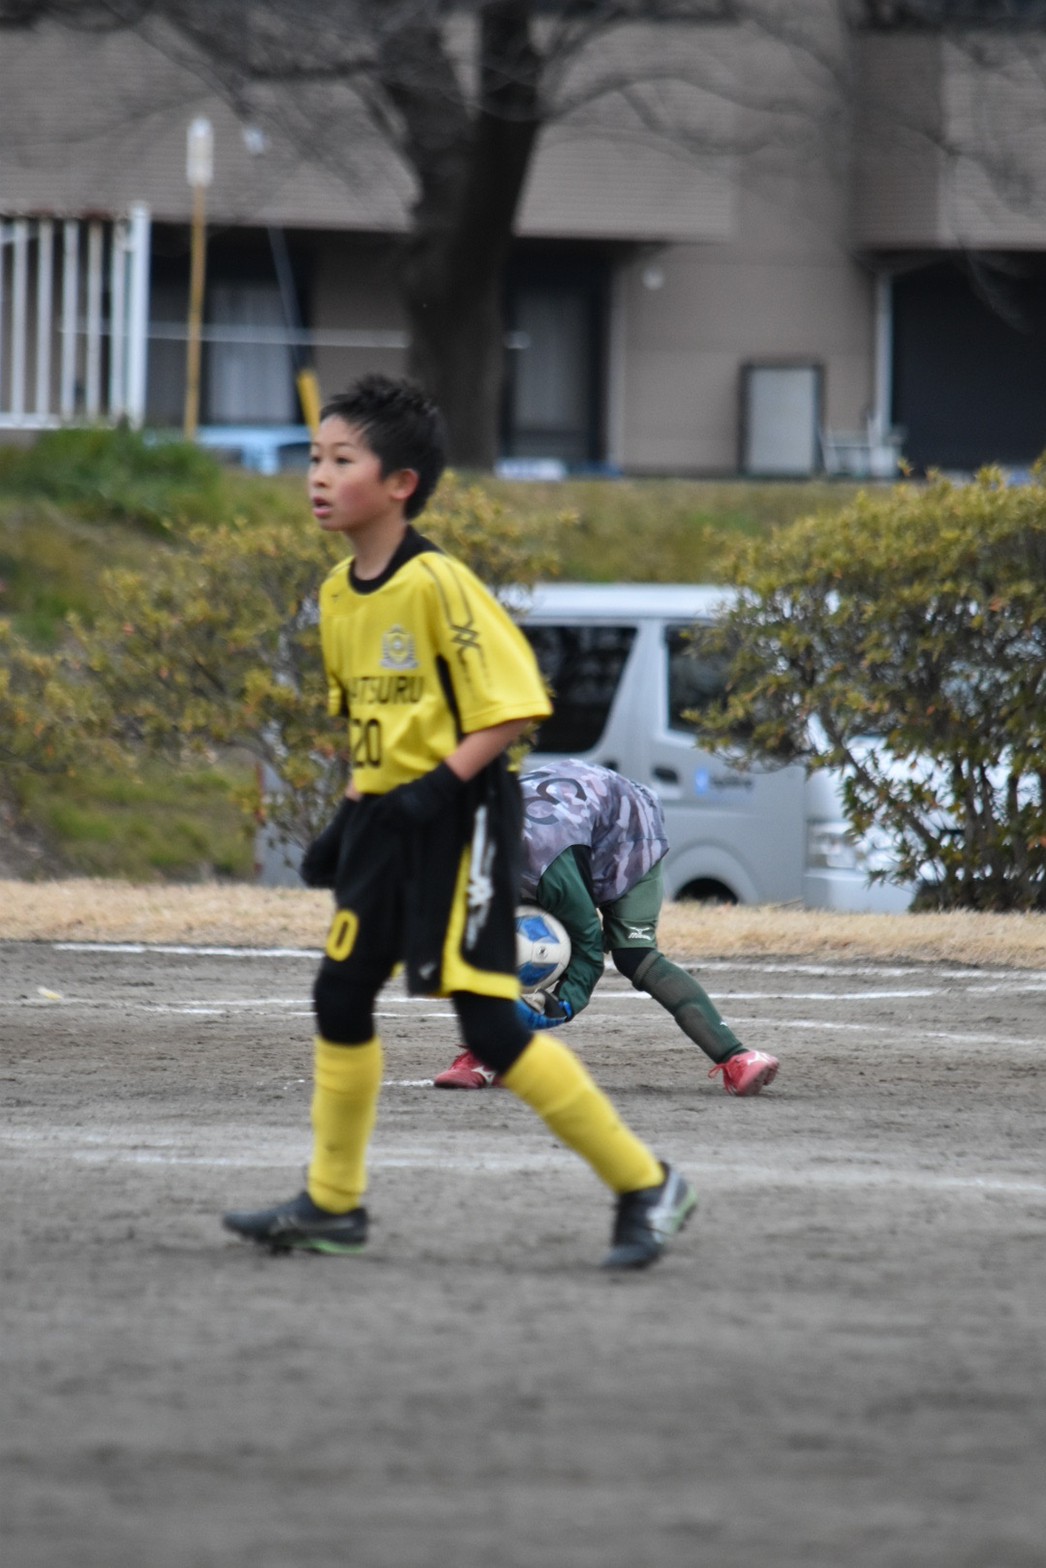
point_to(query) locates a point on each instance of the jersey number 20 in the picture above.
(365, 743)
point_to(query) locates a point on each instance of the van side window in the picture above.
(582, 665)
(695, 681)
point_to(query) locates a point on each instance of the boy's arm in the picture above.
(474, 752)
(424, 798)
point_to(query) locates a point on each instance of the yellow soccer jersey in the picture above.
(416, 659)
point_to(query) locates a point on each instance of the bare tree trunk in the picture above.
(457, 354)
(471, 162)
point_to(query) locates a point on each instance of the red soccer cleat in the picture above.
(747, 1073)
(465, 1072)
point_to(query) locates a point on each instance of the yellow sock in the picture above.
(552, 1081)
(346, 1084)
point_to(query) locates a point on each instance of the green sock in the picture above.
(690, 1006)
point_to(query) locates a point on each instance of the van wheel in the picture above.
(706, 891)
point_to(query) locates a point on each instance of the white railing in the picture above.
(74, 320)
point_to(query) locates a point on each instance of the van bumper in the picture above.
(851, 893)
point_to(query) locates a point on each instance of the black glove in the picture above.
(319, 864)
(422, 800)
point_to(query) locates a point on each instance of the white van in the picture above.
(622, 668)
(621, 664)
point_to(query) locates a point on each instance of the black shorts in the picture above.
(441, 899)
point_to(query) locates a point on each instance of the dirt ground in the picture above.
(841, 1361)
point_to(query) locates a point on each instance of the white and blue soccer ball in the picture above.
(542, 948)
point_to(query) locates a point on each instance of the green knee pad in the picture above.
(690, 1006)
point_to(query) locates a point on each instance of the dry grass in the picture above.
(97, 910)
(1017, 941)
(240, 915)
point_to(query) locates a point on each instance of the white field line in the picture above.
(296, 1008)
(180, 950)
(109, 1148)
(755, 966)
(916, 1032)
(605, 995)
(741, 1021)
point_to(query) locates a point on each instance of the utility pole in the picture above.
(199, 170)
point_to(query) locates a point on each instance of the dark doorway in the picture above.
(556, 310)
(970, 362)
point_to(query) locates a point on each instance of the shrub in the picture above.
(38, 717)
(904, 642)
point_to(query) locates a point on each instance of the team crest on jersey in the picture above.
(397, 650)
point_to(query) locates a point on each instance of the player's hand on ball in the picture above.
(555, 1013)
(422, 800)
(319, 864)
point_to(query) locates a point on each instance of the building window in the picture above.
(250, 372)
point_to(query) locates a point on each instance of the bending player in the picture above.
(423, 854)
(593, 843)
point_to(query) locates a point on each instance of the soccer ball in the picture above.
(542, 948)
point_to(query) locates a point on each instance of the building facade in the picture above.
(840, 257)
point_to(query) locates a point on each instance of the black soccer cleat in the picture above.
(301, 1226)
(646, 1219)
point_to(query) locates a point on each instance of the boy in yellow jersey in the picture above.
(423, 854)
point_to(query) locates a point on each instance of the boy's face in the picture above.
(347, 491)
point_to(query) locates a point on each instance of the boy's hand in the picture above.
(422, 800)
(319, 864)
(555, 1013)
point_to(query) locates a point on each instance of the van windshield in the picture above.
(582, 665)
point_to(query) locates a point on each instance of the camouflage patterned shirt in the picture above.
(620, 821)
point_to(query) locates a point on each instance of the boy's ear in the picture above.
(402, 483)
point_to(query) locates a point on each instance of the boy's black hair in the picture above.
(402, 426)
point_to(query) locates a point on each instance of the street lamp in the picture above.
(199, 171)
